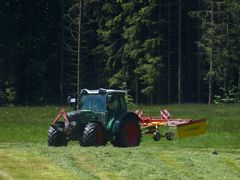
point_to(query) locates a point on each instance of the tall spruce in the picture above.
(111, 46)
(143, 37)
(233, 8)
(213, 43)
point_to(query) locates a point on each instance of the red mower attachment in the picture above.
(176, 127)
(63, 114)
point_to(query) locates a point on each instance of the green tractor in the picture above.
(101, 116)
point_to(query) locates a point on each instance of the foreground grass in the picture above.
(216, 154)
(37, 161)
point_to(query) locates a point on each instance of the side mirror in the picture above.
(71, 100)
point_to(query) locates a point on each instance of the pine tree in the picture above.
(143, 37)
(213, 43)
(233, 7)
(111, 43)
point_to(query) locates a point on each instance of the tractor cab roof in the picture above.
(103, 91)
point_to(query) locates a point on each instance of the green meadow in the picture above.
(24, 153)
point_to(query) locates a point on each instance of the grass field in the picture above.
(24, 153)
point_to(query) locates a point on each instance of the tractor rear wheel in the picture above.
(129, 134)
(56, 135)
(93, 135)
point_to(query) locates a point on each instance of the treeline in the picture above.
(164, 51)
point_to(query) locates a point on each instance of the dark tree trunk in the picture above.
(79, 50)
(180, 52)
(210, 82)
(169, 52)
(238, 79)
(136, 90)
(62, 48)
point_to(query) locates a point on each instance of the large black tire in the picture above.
(93, 135)
(56, 135)
(129, 134)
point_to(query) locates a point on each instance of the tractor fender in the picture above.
(119, 119)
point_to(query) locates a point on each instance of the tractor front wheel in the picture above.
(56, 135)
(93, 135)
(129, 134)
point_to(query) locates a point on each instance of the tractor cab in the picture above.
(102, 100)
(101, 116)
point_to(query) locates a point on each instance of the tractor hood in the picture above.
(82, 116)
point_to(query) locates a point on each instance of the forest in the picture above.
(160, 51)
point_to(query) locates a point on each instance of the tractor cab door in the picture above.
(116, 105)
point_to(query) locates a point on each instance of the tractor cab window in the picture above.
(123, 103)
(116, 104)
(94, 103)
